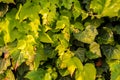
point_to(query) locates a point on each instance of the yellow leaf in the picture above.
(71, 69)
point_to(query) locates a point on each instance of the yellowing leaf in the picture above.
(86, 36)
(34, 26)
(9, 75)
(95, 48)
(21, 44)
(71, 69)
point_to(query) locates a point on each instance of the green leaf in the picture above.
(9, 75)
(3, 9)
(7, 1)
(79, 26)
(4, 64)
(17, 59)
(95, 49)
(105, 36)
(36, 75)
(77, 63)
(86, 36)
(80, 53)
(105, 7)
(1, 39)
(67, 3)
(107, 51)
(117, 29)
(114, 68)
(44, 37)
(116, 52)
(89, 72)
(26, 11)
(76, 9)
(111, 52)
(62, 23)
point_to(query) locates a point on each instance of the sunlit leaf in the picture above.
(105, 7)
(95, 48)
(89, 72)
(86, 36)
(114, 68)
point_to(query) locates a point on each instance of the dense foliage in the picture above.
(59, 39)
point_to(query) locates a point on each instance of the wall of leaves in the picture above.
(59, 39)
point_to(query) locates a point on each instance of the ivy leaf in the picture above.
(111, 52)
(26, 11)
(36, 75)
(114, 68)
(1, 39)
(107, 51)
(105, 36)
(86, 36)
(95, 48)
(88, 68)
(17, 59)
(3, 9)
(79, 26)
(44, 37)
(80, 53)
(62, 23)
(7, 1)
(4, 63)
(77, 63)
(9, 75)
(105, 7)
(67, 3)
(116, 52)
(76, 9)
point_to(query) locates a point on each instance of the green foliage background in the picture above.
(59, 39)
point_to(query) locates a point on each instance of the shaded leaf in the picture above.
(105, 36)
(36, 75)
